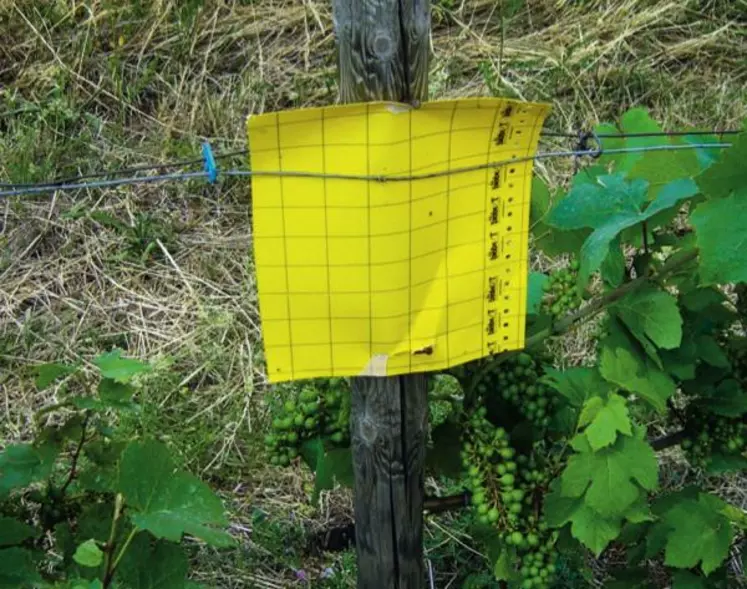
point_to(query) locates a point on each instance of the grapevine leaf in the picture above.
(541, 201)
(706, 156)
(595, 205)
(22, 464)
(605, 159)
(119, 369)
(115, 395)
(503, 569)
(700, 299)
(595, 249)
(46, 374)
(17, 569)
(576, 384)
(709, 351)
(604, 418)
(330, 466)
(624, 366)
(728, 174)
(546, 239)
(535, 291)
(166, 502)
(14, 532)
(688, 580)
(699, 533)
(444, 456)
(612, 269)
(722, 463)
(587, 525)
(607, 478)
(720, 229)
(558, 509)
(652, 316)
(153, 566)
(727, 399)
(88, 554)
(671, 196)
(660, 168)
(636, 122)
(593, 531)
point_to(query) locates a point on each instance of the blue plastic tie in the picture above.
(210, 168)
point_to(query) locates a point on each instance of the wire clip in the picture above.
(211, 169)
(583, 144)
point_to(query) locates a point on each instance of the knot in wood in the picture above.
(368, 431)
(382, 46)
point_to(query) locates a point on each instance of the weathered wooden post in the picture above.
(383, 48)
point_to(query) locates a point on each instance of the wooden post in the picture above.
(383, 48)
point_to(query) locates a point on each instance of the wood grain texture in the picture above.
(389, 419)
(383, 50)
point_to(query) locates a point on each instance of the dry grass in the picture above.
(112, 83)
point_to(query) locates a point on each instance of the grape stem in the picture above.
(673, 439)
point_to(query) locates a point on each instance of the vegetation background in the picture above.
(166, 272)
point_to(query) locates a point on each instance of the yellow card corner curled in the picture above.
(391, 240)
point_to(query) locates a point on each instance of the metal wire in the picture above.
(38, 189)
(565, 135)
(124, 171)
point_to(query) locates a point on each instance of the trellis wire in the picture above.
(184, 176)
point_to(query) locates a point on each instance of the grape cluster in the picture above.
(504, 489)
(561, 295)
(709, 433)
(317, 410)
(517, 381)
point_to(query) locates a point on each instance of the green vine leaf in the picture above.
(330, 466)
(657, 168)
(545, 238)
(728, 398)
(13, 532)
(624, 366)
(611, 479)
(166, 502)
(576, 384)
(720, 463)
(653, 318)
(535, 292)
(688, 580)
(18, 569)
(603, 419)
(610, 206)
(148, 565)
(587, 526)
(119, 369)
(46, 374)
(728, 174)
(88, 554)
(593, 205)
(22, 464)
(709, 350)
(699, 533)
(721, 231)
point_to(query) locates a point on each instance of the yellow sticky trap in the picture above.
(421, 266)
